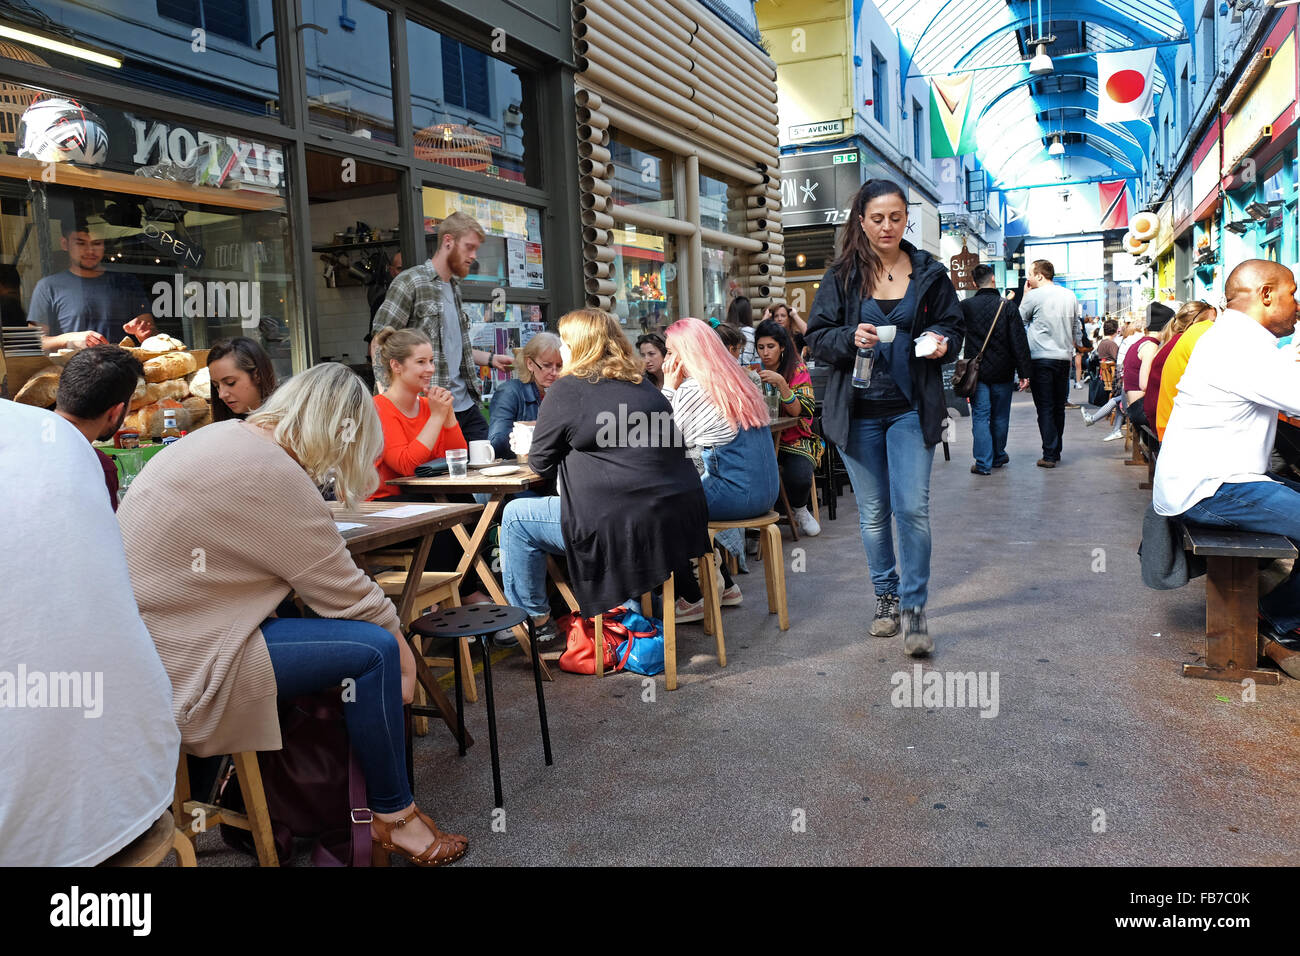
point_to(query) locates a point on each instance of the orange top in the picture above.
(402, 452)
(1175, 365)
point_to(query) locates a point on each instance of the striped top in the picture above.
(699, 420)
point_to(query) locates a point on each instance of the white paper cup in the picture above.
(926, 345)
(523, 439)
(481, 453)
(886, 333)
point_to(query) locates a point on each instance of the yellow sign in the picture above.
(623, 237)
(1273, 92)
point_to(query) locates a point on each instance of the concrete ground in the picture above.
(1100, 751)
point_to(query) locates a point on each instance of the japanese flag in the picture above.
(1125, 90)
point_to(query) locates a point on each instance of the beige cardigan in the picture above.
(218, 529)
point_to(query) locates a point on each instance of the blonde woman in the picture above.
(518, 399)
(222, 528)
(631, 509)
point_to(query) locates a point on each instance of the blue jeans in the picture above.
(990, 412)
(889, 463)
(530, 530)
(312, 654)
(1260, 506)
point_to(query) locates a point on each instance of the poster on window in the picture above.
(517, 262)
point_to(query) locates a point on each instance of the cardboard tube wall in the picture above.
(589, 150)
(647, 220)
(595, 270)
(592, 118)
(603, 302)
(662, 138)
(593, 201)
(598, 253)
(745, 243)
(588, 99)
(589, 167)
(594, 236)
(598, 219)
(600, 187)
(599, 287)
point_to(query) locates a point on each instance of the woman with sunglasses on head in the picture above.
(518, 400)
(886, 431)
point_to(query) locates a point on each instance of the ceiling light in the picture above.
(59, 46)
(1056, 149)
(1041, 64)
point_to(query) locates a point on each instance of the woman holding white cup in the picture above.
(884, 294)
(519, 399)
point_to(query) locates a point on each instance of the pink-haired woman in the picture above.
(724, 422)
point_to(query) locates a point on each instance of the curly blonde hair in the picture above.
(326, 419)
(598, 347)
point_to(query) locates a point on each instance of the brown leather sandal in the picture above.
(445, 848)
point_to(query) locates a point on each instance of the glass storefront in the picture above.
(349, 70)
(187, 224)
(645, 278)
(470, 110)
(722, 280)
(643, 175)
(722, 205)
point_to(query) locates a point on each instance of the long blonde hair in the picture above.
(1187, 316)
(326, 419)
(598, 347)
(543, 343)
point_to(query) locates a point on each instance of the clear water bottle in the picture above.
(862, 367)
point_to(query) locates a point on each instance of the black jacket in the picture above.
(632, 509)
(833, 321)
(1008, 349)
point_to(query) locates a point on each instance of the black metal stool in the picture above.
(482, 621)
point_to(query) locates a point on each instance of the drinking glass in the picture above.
(457, 462)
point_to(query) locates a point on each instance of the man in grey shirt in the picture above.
(1051, 314)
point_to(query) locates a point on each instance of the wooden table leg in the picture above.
(1231, 626)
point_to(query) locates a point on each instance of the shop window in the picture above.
(511, 255)
(722, 280)
(218, 52)
(879, 82)
(349, 70)
(224, 18)
(722, 205)
(354, 230)
(185, 224)
(918, 136)
(470, 110)
(502, 330)
(645, 277)
(643, 175)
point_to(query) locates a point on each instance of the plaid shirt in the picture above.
(414, 301)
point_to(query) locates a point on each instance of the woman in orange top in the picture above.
(416, 429)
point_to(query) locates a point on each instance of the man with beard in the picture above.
(95, 395)
(427, 297)
(87, 305)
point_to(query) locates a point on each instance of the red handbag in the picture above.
(580, 656)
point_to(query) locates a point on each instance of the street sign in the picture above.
(813, 130)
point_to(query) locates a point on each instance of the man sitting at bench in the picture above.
(1213, 463)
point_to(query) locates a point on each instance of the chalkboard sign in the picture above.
(963, 264)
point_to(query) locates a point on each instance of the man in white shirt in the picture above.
(1213, 464)
(88, 744)
(1051, 314)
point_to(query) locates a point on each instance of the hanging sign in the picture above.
(962, 265)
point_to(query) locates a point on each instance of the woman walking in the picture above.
(887, 431)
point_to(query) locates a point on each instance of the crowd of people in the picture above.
(221, 528)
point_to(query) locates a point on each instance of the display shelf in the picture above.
(66, 174)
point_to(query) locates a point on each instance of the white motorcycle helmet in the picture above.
(61, 130)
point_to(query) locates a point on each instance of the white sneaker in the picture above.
(1114, 436)
(732, 597)
(688, 613)
(807, 523)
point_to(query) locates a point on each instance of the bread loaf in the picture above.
(41, 389)
(140, 397)
(169, 366)
(201, 384)
(162, 343)
(149, 419)
(199, 412)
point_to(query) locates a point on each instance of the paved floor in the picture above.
(1100, 752)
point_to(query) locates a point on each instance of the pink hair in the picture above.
(704, 358)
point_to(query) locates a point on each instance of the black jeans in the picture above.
(797, 474)
(1049, 381)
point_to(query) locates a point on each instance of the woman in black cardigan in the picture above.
(631, 509)
(887, 432)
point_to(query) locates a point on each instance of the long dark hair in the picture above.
(740, 314)
(856, 258)
(249, 357)
(789, 361)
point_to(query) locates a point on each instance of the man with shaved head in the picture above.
(1213, 463)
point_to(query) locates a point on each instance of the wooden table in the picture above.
(377, 533)
(443, 487)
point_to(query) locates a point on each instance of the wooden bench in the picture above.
(1232, 641)
(1147, 444)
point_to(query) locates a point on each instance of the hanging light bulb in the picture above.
(1041, 64)
(1056, 148)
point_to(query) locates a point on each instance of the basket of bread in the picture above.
(170, 375)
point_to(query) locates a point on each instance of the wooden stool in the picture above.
(435, 587)
(773, 560)
(712, 619)
(256, 819)
(153, 846)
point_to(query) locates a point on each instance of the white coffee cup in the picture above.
(481, 453)
(886, 333)
(521, 439)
